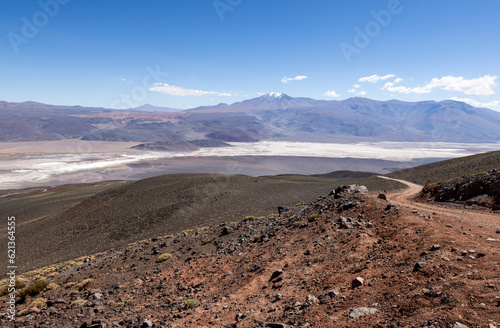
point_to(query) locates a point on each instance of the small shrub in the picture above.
(249, 218)
(5, 289)
(53, 274)
(120, 304)
(163, 257)
(40, 303)
(81, 285)
(78, 303)
(297, 223)
(52, 286)
(206, 240)
(22, 312)
(33, 290)
(257, 237)
(70, 284)
(191, 303)
(187, 231)
(313, 216)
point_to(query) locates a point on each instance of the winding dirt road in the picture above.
(477, 218)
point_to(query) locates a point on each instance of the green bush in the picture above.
(33, 290)
(5, 289)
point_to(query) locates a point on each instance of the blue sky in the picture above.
(182, 54)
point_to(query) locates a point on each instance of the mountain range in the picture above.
(273, 116)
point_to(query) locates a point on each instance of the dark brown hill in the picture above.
(449, 169)
(67, 222)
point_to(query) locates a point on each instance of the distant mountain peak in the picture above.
(275, 95)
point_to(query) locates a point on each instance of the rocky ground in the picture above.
(481, 190)
(349, 259)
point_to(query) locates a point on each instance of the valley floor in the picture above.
(50, 163)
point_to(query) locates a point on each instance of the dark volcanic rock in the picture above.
(482, 189)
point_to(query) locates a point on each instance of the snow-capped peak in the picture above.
(274, 95)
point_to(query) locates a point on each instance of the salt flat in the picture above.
(29, 164)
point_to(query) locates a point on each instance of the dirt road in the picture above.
(476, 218)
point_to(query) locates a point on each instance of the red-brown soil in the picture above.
(227, 269)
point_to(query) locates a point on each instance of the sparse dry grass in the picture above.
(164, 257)
(78, 303)
(191, 303)
(84, 283)
(40, 303)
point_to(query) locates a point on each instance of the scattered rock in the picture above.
(361, 311)
(435, 247)
(333, 293)
(346, 206)
(343, 223)
(382, 196)
(240, 316)
(225, 231)
(276, 274)
(275, 325)
(147, 323)
(418, 266)
(358, 281)
(283, 209)
(310, 300)
(459, 325)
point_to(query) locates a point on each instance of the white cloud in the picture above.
(351, 90)
(375, 78)
(397, 80)
(476, 103)
(331, 93)
(225, 94)
(389, 86)
(478, 86)
(297, 78)
(356, 85)
(179, 91)
(362, 93)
